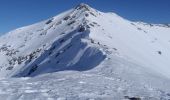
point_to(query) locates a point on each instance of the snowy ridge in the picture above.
(84, 53)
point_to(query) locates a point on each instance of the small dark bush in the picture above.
(49, 21)
(159, 52)
(33, 69)
(93, 14)
(9, 68)
(66, 18)
(82, 29)
(71, 23)
(92, 25)
(132, 98)
(86, 15)
(62, 40)
(57, 54)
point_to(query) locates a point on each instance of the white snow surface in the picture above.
(85, 54)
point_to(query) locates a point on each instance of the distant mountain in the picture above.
(84, 53)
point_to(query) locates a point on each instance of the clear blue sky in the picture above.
(17, 13)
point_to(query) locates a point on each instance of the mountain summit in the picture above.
(101, 55)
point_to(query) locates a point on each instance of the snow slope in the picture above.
(84, 53)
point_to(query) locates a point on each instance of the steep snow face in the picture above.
(144, 44)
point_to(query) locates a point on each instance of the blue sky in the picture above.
(18, 13)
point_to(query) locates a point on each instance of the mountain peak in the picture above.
(84, 47)
(82, 6)
(86, 8)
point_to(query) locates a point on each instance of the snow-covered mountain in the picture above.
(84, 53)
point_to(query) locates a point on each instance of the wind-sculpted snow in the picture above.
(73, 55)
(86, 54)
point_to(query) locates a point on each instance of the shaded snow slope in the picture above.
(84, 53)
